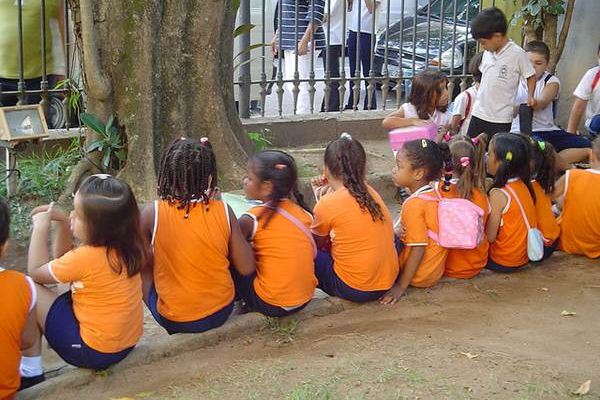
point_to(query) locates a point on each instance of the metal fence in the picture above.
(371, 67)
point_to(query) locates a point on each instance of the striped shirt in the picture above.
(305, 12)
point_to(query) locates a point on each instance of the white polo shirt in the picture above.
(366, 18)
(543, 120)
(501, 72)
(584, 92)
(335, 22)
(460, 107)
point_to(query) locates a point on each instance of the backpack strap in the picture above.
(554, 101)
(467, 109)
(514, 195)
(438, 197)
(547, 78)
(300, 226)
(596, 80)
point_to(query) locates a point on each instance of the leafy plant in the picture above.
(241, 30)
(110, 141)
(74, 94)
(532, 12)
(259, 139)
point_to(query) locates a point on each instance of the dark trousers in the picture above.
(364, 46)
(333, 54)
(477, 126)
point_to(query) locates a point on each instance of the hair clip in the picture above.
(102, 176)
(423, 143)
(345, 135)
(475, 141)
(465, 161)
(542, 145)
(280, 166)
(509, 156)
(447, 137)
(204, 139)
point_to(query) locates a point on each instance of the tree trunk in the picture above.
(163, 69)
(562, 38)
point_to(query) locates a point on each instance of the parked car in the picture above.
(455, 47)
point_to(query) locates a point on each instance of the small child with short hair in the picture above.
(279, 231)
(502, 66)
(464, 102)
(587, 98)
(580, 218)
(422, 259)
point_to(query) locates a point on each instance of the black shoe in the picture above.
(27, 382)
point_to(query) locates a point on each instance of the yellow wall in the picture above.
(509, 8)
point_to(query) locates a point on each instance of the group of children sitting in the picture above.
(188, 257)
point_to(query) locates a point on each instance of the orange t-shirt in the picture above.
(419, 216)
(580, 219)
(191, 265)
(547, 222)
(285, 268)
(18, 298)
(362, 249)
(107, 305)
(462, 263)
(510, 247)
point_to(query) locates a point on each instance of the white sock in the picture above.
(31, 366)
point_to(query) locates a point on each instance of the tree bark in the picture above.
(562, 38)
(163, 69)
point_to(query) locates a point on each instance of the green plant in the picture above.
(74, 94)
(259, 139)
(110, 141)
(532, 11)
(283, 328)
(240, 30)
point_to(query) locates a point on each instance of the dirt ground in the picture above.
(494, 337)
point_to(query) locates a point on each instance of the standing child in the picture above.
(428, 102)
(464, 102)
(580, 218)
(363, 263)
(99, 321)
(422, 259)
(17, 321)
(280, 234)
(543, 173)
(587, 98)
(502, 66)
(195, 237)
(468, 182)
(511, 199)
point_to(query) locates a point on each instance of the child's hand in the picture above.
(274, 46)
(392, 296)
(419, 122)
(319, 181)
(303, 47)
(531, 102)
(55, 213)
(41, 219)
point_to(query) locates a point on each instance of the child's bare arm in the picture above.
(559, 188)
(240, 252)
(410, 269)
(498, 201)
(577, 111)
(247, 226)
(397, 120)
(38, 255)
(531, 81)
(147, 221)
(548, 95)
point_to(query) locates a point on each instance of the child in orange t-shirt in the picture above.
(17, 322)
(468, 180)
(422, 259)
(195, 236)
(580, 219)
(543, 172)
(508, 163)
(363, 263)
(100, 320)
(279, 231)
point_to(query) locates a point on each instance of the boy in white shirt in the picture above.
(502, 66)
(571, 148)
(464, 102)
(587, 97)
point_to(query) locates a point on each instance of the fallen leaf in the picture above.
(583, 389)
(566, 313)
(543, 289)
(469, 355)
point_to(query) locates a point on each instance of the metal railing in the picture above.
(403, 38)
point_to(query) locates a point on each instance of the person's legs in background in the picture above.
(352, 58)
(332, 63)
(365, 58)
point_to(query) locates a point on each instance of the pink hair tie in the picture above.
(475, 141)
(465, 161)
(447, 137)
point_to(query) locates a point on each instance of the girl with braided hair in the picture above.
(195, 237)
(279, 231)
(363, 263)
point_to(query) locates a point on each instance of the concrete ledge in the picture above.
(169, 346)
(302, 130)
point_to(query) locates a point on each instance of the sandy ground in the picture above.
(494, 337)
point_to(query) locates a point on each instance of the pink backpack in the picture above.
(460, 222)
(400, 136)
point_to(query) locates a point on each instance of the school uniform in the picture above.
(501, 72)
(542, 124)
(463, 106)
(18, 299)
(467, 263)
(363, 263)
(419, 217)
(439, 118)
(580, 219)
(99, 321)
(508, 253)
(589, 89)
(547, 222)
(284, 281)
(193, 289)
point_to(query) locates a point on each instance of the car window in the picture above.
(461, 9)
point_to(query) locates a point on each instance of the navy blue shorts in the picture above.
(594, 127)
(333, 285)
(562, 140)
(244, 290)
(494, 266)
(202, 325)
(62, 333)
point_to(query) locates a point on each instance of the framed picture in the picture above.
(20, 123)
